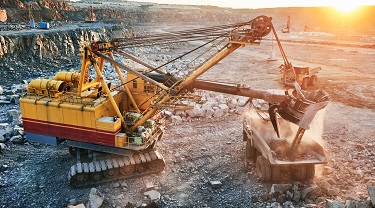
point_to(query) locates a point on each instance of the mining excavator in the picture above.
(118, 125)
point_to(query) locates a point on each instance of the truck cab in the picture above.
(305, 76)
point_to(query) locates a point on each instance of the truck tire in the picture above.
(250, 150)
(263, 169)
(299, 173)
(310, 172)
(276, 173)
(313, 80)
(305, 81)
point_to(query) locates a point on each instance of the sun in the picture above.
(346, 7)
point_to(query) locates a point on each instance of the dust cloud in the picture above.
(288, 130)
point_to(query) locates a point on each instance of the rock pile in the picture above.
(11, 129)
(211, 105)
(298, 194)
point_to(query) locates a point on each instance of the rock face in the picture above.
(53, 44)
(25, 55)
(3, 15)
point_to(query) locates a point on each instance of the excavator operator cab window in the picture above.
(148, 88)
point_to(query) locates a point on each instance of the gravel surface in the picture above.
(205, 150)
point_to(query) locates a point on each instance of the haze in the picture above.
(264, 3)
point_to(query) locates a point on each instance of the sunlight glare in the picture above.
(346, 7)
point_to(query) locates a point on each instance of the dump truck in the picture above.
(113, 126)
(273, 156)
(306, 76)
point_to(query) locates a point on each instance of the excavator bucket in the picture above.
(302, 111)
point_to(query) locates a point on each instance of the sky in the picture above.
(267, 3)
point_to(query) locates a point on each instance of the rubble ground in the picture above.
(204, 151)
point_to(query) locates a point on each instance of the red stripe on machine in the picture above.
(72, 132)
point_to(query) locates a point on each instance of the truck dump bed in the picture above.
(277, 151)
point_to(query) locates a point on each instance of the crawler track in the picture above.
(106, 170)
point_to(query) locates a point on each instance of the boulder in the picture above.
(358, 204)
(224, 107)
(232, 103)
(2, 147)
(209, 112)
(95, 199)
(242, 101)
(8, 130)
(180, 113)
(17, 139)
(176, 120)
(77, 206)
(1, 90)
(194, 113)
(150, 186)
(216, 184)
(311, 192)
(280, 188)
(218, 113)
(124, 184)
(276, 205)
(327, 170)
(18, 130)
(116, 185)
(264, 197)
(333, 204)
(209, 104)
(15, 99)
(371, 193)
(333, 191)
(297, 196)
(320, 200)
(220, 98)
(358, 174)
(73, 201)
(330, 181)
(168, 113)
(324, 185)
(153, 195)
(13, 114)
(288, 204)
(352, 197)
(2, 138)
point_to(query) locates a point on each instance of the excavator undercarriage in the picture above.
(114, 168)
